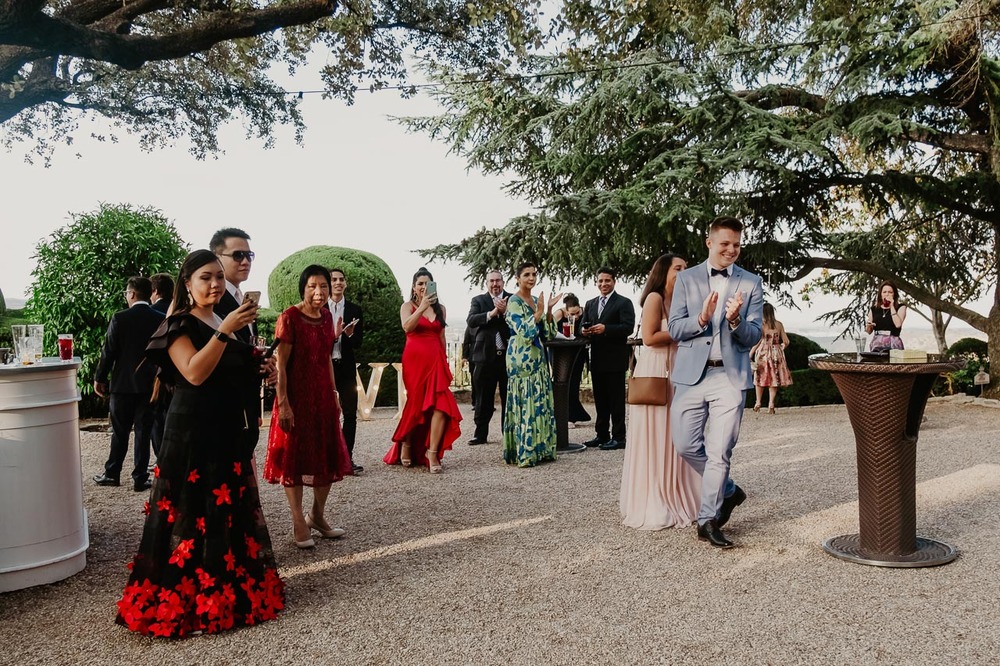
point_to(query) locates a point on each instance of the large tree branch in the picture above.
(57, 36)
(964, 143)
(769, 98)
(971, 317)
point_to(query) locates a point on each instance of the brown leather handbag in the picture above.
(646, 390)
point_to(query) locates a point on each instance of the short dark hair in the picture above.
(310, 271)
(141, 286)
(163, 284)
(218, 242)
(523, 265)
(609, 271)
(725, 222)
(337, 269)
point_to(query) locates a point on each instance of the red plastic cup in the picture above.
(65, 342)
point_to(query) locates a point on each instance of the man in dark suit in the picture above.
(348, 327)
(232, 246)
(610, 319)
(489, 350)
(163, 292)
(131, 384)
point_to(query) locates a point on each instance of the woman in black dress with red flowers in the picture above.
(205, 562)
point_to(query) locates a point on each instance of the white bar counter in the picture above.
(43, 525)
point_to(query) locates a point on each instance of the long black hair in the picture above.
(438, 312)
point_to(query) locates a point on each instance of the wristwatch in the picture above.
(221, 337)
(737, 322)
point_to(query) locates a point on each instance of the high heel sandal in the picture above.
(404, 456)
(770, 410)
(434, 463)
(756, 407)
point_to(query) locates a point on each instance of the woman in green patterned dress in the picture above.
(529, 434)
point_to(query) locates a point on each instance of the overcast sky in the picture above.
(359, 181)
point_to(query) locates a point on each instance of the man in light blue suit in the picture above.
(715, 317)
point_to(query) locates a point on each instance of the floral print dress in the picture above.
(205, 562)
(529, 433)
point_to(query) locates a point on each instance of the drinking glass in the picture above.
(65, 342)
(36, 333)
(860, 343)
(23, 353)
(569, 327)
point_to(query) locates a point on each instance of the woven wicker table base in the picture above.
(929, 553)
(564, 353)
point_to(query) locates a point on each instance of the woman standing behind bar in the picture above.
(205, 562)
(429, 423)
(572, 308)
(769, 354)
(885, 319)
(659, 489)
(529, 434)
(306, 446)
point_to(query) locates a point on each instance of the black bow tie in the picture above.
(724, 272)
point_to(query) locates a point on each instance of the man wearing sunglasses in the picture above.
(232, 246)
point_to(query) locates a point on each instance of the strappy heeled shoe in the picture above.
(756, 407)
(770, 410)
(434, 463)
(404, 456)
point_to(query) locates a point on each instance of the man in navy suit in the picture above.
(715, 317)
(123, 356)
(489, 353)
(609, 320)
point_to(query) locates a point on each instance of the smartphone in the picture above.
(251, 297)
(432, 288)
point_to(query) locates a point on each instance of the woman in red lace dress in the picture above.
(429, 424)
(205, 562)
(306, 446)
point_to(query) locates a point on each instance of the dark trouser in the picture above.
(576, 410)
(160, 408)
(488, 376)
(128, 410)
(347, 390)
(609, 399)
(472, 382)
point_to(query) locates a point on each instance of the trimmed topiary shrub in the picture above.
(372, 285)
(810, 387)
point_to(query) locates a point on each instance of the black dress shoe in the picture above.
(597, 441)
(357, 468)
(611, 445)
(476, 440)
(142, 485)
(728, 504)
(105, 480)
(711, 533)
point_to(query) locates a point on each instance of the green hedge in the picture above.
(372, 285)
(975, 353)
(809, 387)
(8, 319)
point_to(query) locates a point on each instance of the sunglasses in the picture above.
(239, 255)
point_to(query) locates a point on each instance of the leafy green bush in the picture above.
(8, 319)
(81, 270)
(975, 352)
(810, 387)
(800, 348)
(371, 284)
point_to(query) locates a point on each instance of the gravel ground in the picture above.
(488, 564)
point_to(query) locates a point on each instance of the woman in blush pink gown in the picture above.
(659, 489)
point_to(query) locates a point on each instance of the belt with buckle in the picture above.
(883, 333)
(714, 364)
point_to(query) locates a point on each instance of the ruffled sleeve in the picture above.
(169, 330)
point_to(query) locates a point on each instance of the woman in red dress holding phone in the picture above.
(429, 424)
